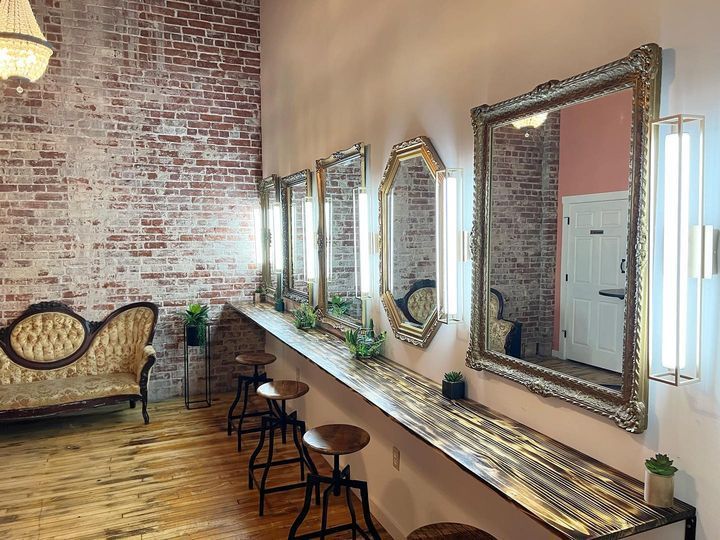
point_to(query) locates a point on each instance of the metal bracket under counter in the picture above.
(568, 492)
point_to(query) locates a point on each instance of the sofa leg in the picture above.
(145, 414)
(132, 403)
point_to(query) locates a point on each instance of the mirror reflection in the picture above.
(296, 209)
(558, 238)
(413, 258)
(342, 268)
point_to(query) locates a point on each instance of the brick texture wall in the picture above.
(524, 228)
(129, 171)
(413, 226)
(340, 182)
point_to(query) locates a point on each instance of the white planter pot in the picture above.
(659, 490)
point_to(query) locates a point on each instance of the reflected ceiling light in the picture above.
(450, 246)
(362, 242)
(309, 242)
(534, 121)
(24, 51)
(275, 237)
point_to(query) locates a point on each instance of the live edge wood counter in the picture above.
(572, 494)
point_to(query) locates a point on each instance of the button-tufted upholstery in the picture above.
(47, 337)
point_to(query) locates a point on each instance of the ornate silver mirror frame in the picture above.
(420, 336)
(269, 188)
(286, 184)
(321, 172)
(640, 72)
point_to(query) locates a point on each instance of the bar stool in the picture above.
(278, 418)
(449, 531)
(336, 440)
(254, 360)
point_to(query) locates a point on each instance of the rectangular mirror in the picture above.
(339, 177)
(295, 188)
(561, 207)
(272, 232)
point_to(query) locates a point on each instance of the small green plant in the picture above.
(305, 316)
(364, 342)
(453, 376)
(338, 306)
(660, 464)
(259, 289)
(195, 318)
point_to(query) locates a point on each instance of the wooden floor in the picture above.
(107, 475)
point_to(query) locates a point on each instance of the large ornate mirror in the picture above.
(272, 232)
(408, 237)
(560, 243)
(295, 189)
(339, 179)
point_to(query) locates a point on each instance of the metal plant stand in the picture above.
(207, 401)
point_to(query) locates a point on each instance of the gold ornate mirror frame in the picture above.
(321, 166)
(417, 147)
(286, 185)
(266, 187)
(640, 72)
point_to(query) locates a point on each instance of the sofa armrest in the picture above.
(142, 370)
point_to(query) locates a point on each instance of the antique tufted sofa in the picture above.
(52, 360)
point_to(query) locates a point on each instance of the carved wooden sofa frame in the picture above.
(49, 345)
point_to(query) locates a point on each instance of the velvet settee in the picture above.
(52, 360)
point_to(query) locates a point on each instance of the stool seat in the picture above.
(336, 439)
(449, 531)
(255, 358)
(282, 390)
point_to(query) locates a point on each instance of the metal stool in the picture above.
(449, 531)
(336, 440)
(279, 419)
(255, 360)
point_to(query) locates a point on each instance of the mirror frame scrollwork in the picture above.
(270, 184)
(286, 184)
(639, 71)
(417, 147)
(321, 167)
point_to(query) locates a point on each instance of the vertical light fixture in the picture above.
(682, 248)
(276, 236)
(362, 242)
(24, 51)
(450, 245)
(259, 249)
(328, 209)
(309, 241)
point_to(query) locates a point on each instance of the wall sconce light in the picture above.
(276, 236)
(309, 241)
(259, 249)
(682, 248)
(534, 121)
(328, 239)
(362, 242)
(450, 246)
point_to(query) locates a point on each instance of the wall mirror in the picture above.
(272, 232)
(339, 179)
(295, 189)
(408, 238)
(560, 237)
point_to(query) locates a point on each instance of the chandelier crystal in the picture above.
(534, 121)
(24, 51)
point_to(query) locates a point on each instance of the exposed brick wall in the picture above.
(129, 171)
(340, 182)
(413, 224)
(524, 228)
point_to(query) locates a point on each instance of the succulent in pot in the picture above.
(453, 385)
(195, 318)
(259, 295)
(305, 317)
(364, 342)
(338, 306)
(659, 481)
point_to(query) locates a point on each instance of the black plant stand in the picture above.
(207, 401)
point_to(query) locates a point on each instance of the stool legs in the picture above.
(244, 382)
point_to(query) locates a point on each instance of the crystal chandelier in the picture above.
(24, 51)
(534, 121)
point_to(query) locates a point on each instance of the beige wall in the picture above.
(335, 72)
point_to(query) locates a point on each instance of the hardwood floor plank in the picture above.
(105, 475)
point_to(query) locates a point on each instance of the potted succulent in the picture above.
(305, 317)
(659, 481)
(338, 306)
(279, 302)
(259, 295)
(364, 342)
(453, 385)
(195, 317)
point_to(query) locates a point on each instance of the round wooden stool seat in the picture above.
(282, 390)
(336, 439)
(449, 531)
(255, 358)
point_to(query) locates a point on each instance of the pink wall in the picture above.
(594, 158)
